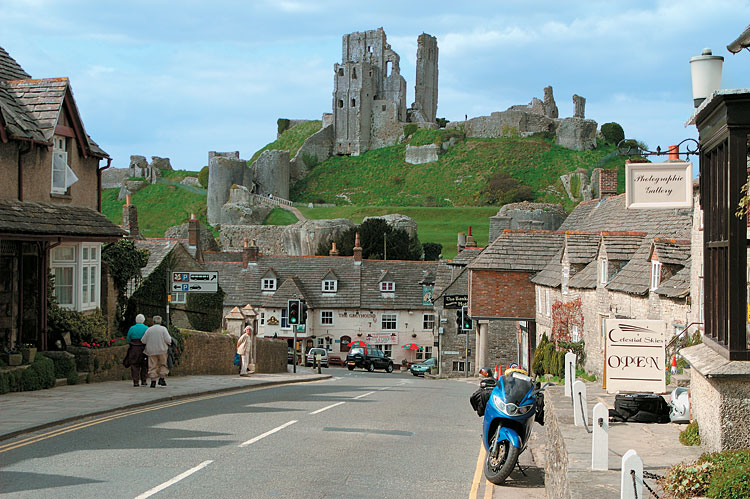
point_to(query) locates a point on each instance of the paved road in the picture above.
(358, 434)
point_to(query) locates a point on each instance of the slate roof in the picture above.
(677, 286)
(581, 248)
(609, 214)
(53, 220)
(466, 256)
(19, 121)
(407, 277)
(551, 274)
(635, 276)
(43, 99)
(158, 249)
(9, 68)
(672, 251)
(621, 246)
(443, 277)
(586, 277)
(515, 250)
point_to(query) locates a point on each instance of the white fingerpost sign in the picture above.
(570, 372)
(194, 282)
(659, 185)
(634, 360)
(600, 438)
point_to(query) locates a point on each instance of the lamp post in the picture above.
(705, 72)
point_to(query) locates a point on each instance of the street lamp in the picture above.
(705, 71)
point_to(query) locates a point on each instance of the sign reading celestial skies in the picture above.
(195, 282)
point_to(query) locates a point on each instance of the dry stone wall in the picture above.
(418, 155)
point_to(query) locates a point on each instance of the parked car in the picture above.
(423, 367)
(368, 358)
(289, 356)
(317, 351)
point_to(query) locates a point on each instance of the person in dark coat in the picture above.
(135, 358)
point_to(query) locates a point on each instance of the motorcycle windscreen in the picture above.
(515, 388)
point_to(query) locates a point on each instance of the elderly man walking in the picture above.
(157, 341)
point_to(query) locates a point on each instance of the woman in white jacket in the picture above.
(244, 344)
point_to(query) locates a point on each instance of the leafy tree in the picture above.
(432, 251)
(203, 177)
(373, 234)
(612, 133)
(501, 188)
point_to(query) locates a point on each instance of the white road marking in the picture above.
(326, 408)
(384, 388)
(176, 479)
(363, 395)
(269, 432)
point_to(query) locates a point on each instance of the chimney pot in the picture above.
(674, 153)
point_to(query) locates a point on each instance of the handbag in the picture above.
(237, 359)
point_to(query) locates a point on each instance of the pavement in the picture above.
(25, 412)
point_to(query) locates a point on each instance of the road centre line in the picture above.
(174, 480)
(363, 395)
(326, 408)
(269, 432)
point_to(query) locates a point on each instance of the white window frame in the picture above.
(565, 279)
(179, 297)
(547, 304)
(388, 350)
(655, 274)
(326, 317)
(85, 266)
(387, 287)
(268, 284)
(603, 271)
(329, 286)
(575, 335)
(538, 300)
(428, 322)
(59, 164)
(284, 322)
(425, 353)
(389, 321)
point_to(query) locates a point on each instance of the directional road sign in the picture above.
(195, 282)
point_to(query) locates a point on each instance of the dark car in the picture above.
(368, 358)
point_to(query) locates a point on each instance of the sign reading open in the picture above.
(634, 358)
(658, 185)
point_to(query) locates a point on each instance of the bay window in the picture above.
(77, 271)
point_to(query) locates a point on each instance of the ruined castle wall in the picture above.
(576, 133)
(222, 173)
(353, 93)
(534, 216)
(506, 123)
(300, 239)
(318, 147)
(426, 87)
(387, 129)
(271, 173)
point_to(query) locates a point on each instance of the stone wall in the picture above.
(271, 355)
(300, 239)
(505, 124)
(271, 173)
(268, 238)
(222, 174)
(418, 155)
(556, 454)
(386, 129)
(206, 353)
(544, 216)
(102, 364)
(318, 146)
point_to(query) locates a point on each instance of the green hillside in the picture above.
(291, 140)
(381, 177)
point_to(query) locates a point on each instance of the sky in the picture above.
(177, 79)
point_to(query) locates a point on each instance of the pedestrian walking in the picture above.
(157, 341)
(244, 345)
(135, 358)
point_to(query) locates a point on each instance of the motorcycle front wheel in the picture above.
(497, 467)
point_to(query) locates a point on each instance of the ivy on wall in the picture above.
(124, 263)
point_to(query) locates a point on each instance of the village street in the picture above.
(356, 434)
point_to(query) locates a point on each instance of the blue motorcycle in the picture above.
(510, 405)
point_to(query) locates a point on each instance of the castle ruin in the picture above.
(369, 93)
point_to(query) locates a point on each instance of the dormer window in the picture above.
(655, 274)
(62, 175)
(603, 271)
(387, 287)
(329, 286)
(269, 284)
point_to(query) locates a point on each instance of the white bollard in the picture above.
(570, 372)
(600, 438)
(631, 461)
(579, 402)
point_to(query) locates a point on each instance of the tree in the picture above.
(203, 177)
(375, 235)
(612, 133)
(432, 251)
(501, 188)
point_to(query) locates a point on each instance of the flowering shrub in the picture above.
(113, 342)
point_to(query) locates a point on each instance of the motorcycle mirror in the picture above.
(485, 372)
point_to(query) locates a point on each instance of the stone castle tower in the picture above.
(369, 93)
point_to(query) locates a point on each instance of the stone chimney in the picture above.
(334, 251)
(461, 244)
(130, 219)
(357, 250)
(470, 242)
(607, 183)
(249, 253)
(194, 237)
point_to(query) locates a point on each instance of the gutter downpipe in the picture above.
(99, 184)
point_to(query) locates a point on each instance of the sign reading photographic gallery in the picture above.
(634, 356)
(659, 185)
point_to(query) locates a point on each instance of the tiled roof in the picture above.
(158, 249)
(443, 277)
(459, 285)
(672, 251)
(585, 278)
(9, 68)
(19, 121)
(551, 274)
(621, 246)
(222, 256)
(581, 248)
(45, 219)
(43, 99)
(677, 286)
(407, 277)
(635, 276)
(609, 214)
(525, 251)
(466, 256)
